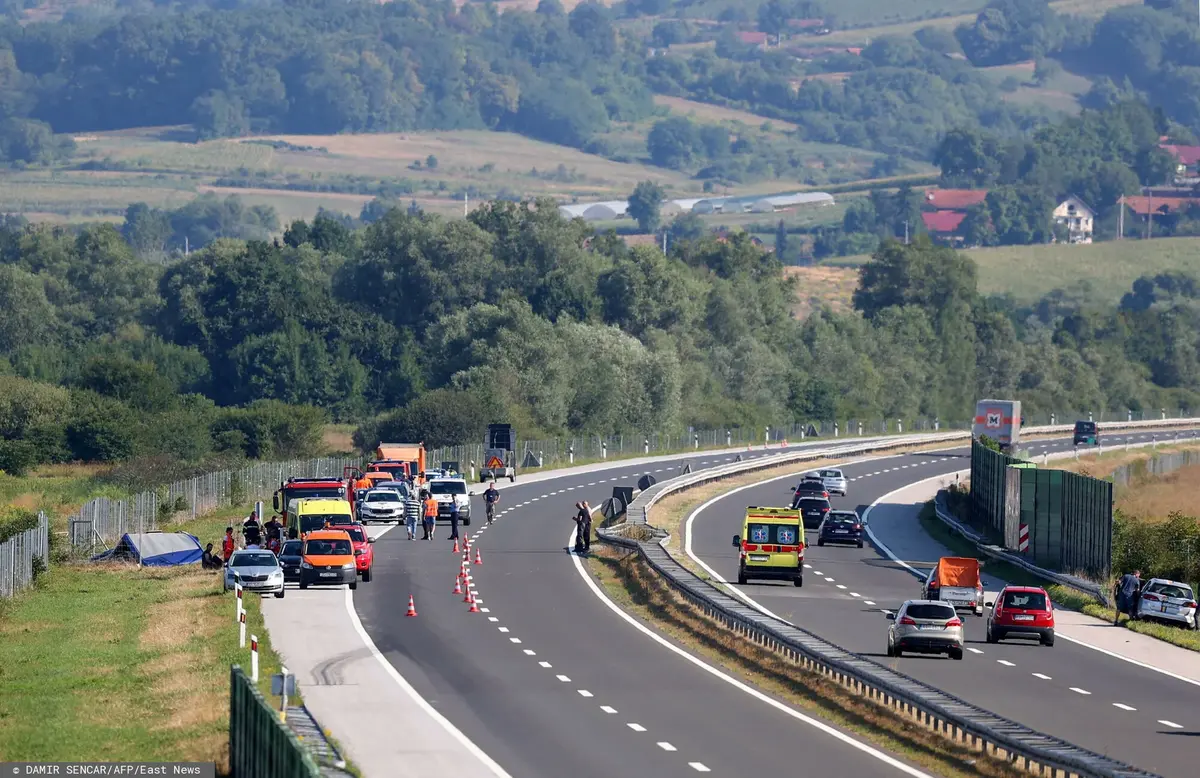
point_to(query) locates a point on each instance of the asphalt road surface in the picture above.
(1110, 706)
(550, 682)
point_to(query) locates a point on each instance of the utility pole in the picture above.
(1121, 214)
(467, 200)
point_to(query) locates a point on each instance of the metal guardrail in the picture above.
(18, 555)
(932, 708)
(260, 744)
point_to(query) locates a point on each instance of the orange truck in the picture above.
(957, 581)
(389, 456)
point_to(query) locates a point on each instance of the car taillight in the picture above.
(858, 526)
(934, 584)
(907, 620)
(1190, 604)
(1151, 597)
(954, 622)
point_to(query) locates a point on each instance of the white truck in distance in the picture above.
(1000, 420)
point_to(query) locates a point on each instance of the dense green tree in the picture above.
(645, 205)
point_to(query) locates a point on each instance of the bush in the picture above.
(14, 521)
(1164, 549)
(17, 457)
(443, 417)
(273, 429)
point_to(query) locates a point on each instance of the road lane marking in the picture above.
(868, 602)
(855, 594)
(974, 650)
(827, 578)
(1042, 676)
(530, 652)
(699, 767)
(492, 618)
(665, 746)
(545, 664)
(584, 693)
(608, 709)
(514, 640)
(840, 586)
(504, 629)
(1077, 690)
(1005, 662)
(482, 610)
(563, 678)
(1123, 706)
(636, 727)
(1170, 724)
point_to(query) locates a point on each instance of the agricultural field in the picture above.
(851, 13)
(1103, 271)
(820, 285)
(1060, 93)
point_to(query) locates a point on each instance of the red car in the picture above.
(1021, 611)
(364, 552)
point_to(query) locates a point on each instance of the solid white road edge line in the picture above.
(888, 552)
(407, 688)
(820, 725)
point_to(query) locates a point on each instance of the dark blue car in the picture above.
(289, 559)
(841, 527)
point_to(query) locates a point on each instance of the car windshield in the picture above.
(296, 493)
(929, 611)
(831, 473)
(781, 534)
(328, 548)
(292, 548)
(313, 521)
(383, 497)
(1171, 590)
(356, 534)
(1032, 601)
(448, 487)
(843, 518)
(254, 560)
(1085, 426)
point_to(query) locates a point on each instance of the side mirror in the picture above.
(989, 604)
(358, 552)
(737, 541)
(891, 617)
(275, 501)
(371, 540)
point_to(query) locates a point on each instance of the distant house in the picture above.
(942, 223)
(1187, 159)
(1074, 214)
(1144, 206)
(758, 39)
(810, 26)
(954, 199)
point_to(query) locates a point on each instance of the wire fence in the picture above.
(102, 521)
(23, 557)
(1158, 465)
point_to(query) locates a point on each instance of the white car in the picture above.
(257, 570)
(834, 480)
(1168, 601)
(451, 490)
(381, 505)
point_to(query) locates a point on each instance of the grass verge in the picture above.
(1063, 596)
(637, 589)
(108, 661)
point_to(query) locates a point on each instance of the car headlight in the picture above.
(304, 564)
(348, 566)
(277, 574)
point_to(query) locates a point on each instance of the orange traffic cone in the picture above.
(458, 585)
(478, 558)
(468, 596)
(456, 545)
(412, 607)
(474, 607)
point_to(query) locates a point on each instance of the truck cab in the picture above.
(771, 545)
(300, 488)
(315, 513)
(1086, 434)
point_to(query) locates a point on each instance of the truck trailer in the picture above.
(1000, 420)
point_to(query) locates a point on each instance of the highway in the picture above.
(1100, 702)
(549, 681)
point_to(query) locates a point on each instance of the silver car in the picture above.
(257, 570)
(381, 505)
(834, 480)
(1168, 601)
(925, 627)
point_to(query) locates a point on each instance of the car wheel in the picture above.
(353, 585)
(991, 636)
(860, 544)
(1048, 639)
(956, 653)
(798, 581)
(367, 575)
(820, 542)
(303, 584)
(890, 651)
(279, 594)
(741, 578)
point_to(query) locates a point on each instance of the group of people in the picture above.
(267, 536)
(1126, 595)
(583, 527)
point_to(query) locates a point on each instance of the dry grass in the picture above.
(821, 285)
(707, 112)
(1154, 498)
(338, 438)
(638, 590)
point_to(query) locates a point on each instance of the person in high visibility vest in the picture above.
(431, 511)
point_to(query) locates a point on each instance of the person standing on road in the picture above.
(1127, 595)
(453, 508)
(431, 509)
(583, 528)
(490, 498)
(412, 514)
(586, 525)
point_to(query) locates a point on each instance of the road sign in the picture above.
(1024, 538)
(495, 462)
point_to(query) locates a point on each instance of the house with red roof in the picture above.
(954, 199)
(1187, 159)
(942, 224)
(758, 39)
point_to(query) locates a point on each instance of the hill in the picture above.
(1029, 272)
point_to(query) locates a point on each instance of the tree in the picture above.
(645, 205)
(673, 142)
(431, 162)
(773, 17)
(781, 240)
(147, 230)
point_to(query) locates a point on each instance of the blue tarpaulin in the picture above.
(155, 549)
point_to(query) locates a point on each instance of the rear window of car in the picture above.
(291, 548)
(356, 534)
(843, 518)
(929, 611)
(812, 503)
(1085, 426)
(1171, 590)
(1034, 601)
(831, 473)
(779, 534)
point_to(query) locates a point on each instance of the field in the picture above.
(818, 286)
(1105, 271)
(853, 13)
(1060, 93)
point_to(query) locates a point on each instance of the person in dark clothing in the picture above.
(453, 508)
(210, 561)
(274, 528)
(1127, 595)
(583, 528)
(490, 498)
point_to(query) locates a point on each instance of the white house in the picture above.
(1077, 217)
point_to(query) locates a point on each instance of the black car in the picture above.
(1086, 433)
(841, 527)
(812, 510)
(810, 488)
(289, 559)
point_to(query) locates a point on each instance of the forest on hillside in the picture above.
(435, 327)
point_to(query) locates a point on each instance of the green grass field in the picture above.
(1107, 269)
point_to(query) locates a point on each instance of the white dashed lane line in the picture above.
(1005, 662)
(868, 602)
(545, 664)
(608, 709)
(1042, 676)
(1123, 706)
(699, 767)
(584, 693)
(1077, 690)
(665, 746)
(636, 727)
(1170, 724)
(974, 650)
(563, 678)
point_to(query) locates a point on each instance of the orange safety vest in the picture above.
(431, 508)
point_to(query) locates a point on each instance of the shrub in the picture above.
(14, 521)
(17, 457)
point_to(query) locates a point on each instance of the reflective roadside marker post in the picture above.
(254, 658)
(728, 438)
(646, 445)
(472, 469)
(695, 441)
(237, 602)
(603, 450)
(242, 630)
(571, 454)
(860, 429)
(258, 511)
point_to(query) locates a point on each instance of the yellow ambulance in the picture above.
(771, 545)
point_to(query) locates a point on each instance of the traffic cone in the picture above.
(478, 558)
(458, 585)
(474, 607)
(468, 597)
(456, 545)
(412, 607)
